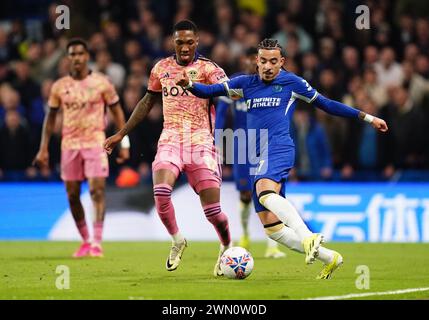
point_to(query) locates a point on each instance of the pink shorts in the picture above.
(200, 163)
(78, 164)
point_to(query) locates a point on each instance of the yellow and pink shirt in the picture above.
(187, 118)
(83, 103)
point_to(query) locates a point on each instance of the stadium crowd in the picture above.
(383, 71)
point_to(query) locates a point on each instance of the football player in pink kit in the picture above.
(186, 143)
(83, 96)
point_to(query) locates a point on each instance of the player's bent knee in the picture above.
(264, 195)
(207, 184)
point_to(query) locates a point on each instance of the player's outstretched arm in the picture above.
(376, 122)
(119, 120)
(340, 109)
(140, 111)
(42, 156)
(200, 90)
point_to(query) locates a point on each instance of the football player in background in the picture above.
(83, 96)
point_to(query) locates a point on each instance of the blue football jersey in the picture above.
(270, 105)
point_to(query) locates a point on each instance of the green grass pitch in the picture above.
(135, 270)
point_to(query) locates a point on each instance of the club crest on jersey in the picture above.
(277, 88)
(193, 74)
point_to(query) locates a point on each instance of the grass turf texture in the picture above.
(135, 270)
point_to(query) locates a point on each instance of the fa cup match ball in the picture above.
(236, 263)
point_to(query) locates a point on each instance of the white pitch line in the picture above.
(369, 294)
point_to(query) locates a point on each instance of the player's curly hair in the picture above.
(75, 42)
(271, 44)
(185, 25)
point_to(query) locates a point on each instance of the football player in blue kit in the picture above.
(241, 170)
(270, 98)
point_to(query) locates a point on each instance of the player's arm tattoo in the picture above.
(48, 127)
(140, 111)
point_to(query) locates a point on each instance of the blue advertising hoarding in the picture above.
(342, 212)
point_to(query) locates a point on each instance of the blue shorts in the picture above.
(274, 165)
(243, 181)
(241, 169)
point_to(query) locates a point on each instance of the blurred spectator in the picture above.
(374, 89)
(10, 100)
(51, 57)
(26, 87)
(389, 72)
(328, 58)
(370, 56)
(15, 145)
(335, 127)
(407, 30)
(115, 43)
(152, 42)
(351, 65)
(333, 20)
(313, 155)
(133, 51)
(422, 65)
(292, 47)
(310, 64)
(381, 30)
(328, 84)
(363, 150)
(7, 51)
(355, 84)
(417, 86)
(97, 42)
(114, 71)
(236, 43)
(287, 26)
(225, 19)
(406, 132)
(63, 67)
(222, 56)
(422, 31)
(34, 59)
(411, 52)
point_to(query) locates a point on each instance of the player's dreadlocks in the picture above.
(271, 44)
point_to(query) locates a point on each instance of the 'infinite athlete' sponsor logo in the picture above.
(263, 102)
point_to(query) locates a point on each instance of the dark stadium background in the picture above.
(322, 44)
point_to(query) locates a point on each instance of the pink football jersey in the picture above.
(83, 103)
(187, 118)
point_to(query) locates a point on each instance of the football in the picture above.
(236, 263)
